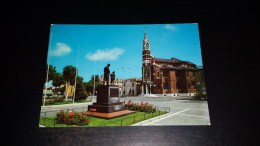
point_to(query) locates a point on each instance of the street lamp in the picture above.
(94, 84)
(123, 79)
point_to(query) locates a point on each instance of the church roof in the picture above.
(172, 60)
(178, 67)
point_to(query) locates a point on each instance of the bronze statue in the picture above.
(106, 75)
(112, 76)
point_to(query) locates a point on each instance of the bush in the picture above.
(72, 118)
(142, 107)
(61, 117)
(59, 98)
(81, 95)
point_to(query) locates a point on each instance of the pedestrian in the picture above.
(106, 74)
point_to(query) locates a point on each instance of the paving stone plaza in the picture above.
(184, 110)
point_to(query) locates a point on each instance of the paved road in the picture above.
(183, 110)
(52, 110)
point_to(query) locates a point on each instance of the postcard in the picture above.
(124, 75)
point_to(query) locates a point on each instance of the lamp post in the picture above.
(94, 84)
(123, 80)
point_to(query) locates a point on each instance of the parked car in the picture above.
(200, 96)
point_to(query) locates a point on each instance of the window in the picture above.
(158, 74)
(133, 84)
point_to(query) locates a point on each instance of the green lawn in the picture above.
(119, 121)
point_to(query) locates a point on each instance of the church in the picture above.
(167, 76)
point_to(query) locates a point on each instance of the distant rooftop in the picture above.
(172, 60)
(178, 67)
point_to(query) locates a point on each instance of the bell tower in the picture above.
(146, 66)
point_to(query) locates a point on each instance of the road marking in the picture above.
(165, 117)
(193, 109)
(194, 116)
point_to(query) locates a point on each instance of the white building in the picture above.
(132, 87)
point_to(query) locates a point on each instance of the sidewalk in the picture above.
(70, 104)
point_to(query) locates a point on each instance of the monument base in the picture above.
(106, 107)
(107, 100)
(108, 115)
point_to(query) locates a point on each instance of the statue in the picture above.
(112, 76)
(106, 75)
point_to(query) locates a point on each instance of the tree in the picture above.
(69, 73)
(52, 72)
(90, 84)
(80, 93)
(57, 81)
(97, 80)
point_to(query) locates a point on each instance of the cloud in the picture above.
(169, 27)
(106, 54)
(60, 49)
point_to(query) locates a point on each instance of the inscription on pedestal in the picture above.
(113, 92)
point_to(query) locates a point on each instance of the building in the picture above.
(168, 76)
(173, 76)
(132, 87)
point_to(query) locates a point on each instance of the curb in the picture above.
(41, 125)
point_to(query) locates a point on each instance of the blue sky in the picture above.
(91, 47)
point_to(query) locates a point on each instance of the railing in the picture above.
(54, 122)
(123, 122)
(136, 119)
(48, 113)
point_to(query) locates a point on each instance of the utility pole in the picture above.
(76, 76)
(48, 67)
(94, 84)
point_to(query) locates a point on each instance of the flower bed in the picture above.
(142, 107)
(72, 118)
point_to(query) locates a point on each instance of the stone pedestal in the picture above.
(107, 100)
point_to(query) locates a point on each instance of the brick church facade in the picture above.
(166, 76)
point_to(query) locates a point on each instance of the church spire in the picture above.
(146, 45)
(145, 35)
(146, 67)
